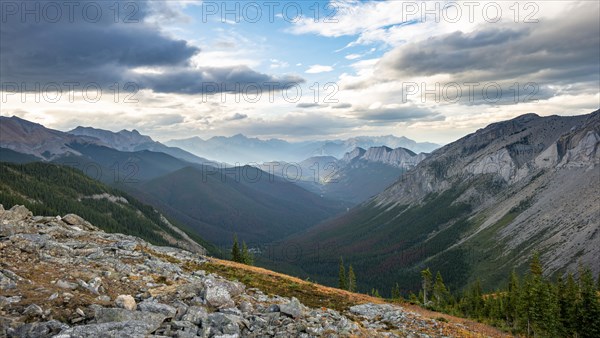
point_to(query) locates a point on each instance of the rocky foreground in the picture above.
(63, 277)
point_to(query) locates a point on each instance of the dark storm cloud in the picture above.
(342, 106)
(310, 105)
(399, 114)
(553, 51)
(215, 80)
(83, 46)
(236, 116)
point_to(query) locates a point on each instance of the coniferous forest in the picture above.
(529, 304)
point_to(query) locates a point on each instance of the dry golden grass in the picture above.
(316, 295)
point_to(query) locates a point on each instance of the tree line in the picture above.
(529, 304)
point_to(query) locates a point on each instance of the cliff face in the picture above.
(481, 206)
(63, 277)
(399, 157)
(549, 166)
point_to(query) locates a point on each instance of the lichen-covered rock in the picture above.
(126, 302)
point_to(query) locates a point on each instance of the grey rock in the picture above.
(113, 329)
(92, 286)
(224, 324)
(106, 315)
(66, 285)
(218, 296)
(154, 307)
(246, 307)
(33, 310)
(273, 308)
(293, 309)
(40, 329)
(18, 213)
(125, 302)
(195, 314)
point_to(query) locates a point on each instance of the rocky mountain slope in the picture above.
(399, 157)
(63, 277)
(477, 208)
(22, 141)
(48, 144)
(34, 139)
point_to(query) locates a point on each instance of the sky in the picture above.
(306, 70)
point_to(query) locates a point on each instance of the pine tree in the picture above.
(568, 299)
(589, 310)
(427, 283)
(441, 294)
(236, 255)
(342, 282)
(475, 302)
(512, 301)
(351, 279)
(413, 298)
(396, 292)
(246, 256)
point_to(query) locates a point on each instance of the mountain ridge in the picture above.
(240, 148)
(477, 207)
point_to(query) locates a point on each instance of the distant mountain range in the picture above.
(357, 176)
(245, 150)
(131, 141)
(213, 200)
(476, 208)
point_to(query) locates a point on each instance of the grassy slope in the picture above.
(315, 295)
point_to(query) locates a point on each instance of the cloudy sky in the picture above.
(431, 71)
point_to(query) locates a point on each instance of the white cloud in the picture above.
(315, 69)
(353, 56)
(275, 64)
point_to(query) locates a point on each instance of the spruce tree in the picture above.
(568, 300)
(589, 310)
(426, 283)
(476, 303)
(396, 292)
(351, 279)
(246, 256)
(512, 301)
(440, 292)
(413, 298)
(342, 281)
(236, 255)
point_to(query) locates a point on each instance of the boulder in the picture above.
(154, 307)
(195, 314)
(218, 296)
(18, 213)
(40, 329)
(33, 311)
(293, 309)
(134, 328)
(107, 315)
(126, 302)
